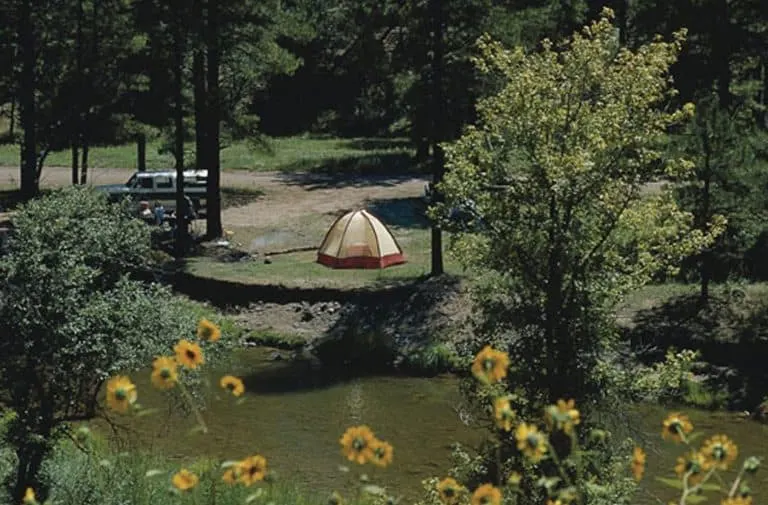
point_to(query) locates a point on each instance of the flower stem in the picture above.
(559, 465)
(688, 491)
(192, 405)
(736, 482)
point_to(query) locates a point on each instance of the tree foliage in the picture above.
(71, 315)
(554, 168)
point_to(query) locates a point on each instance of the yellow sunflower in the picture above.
(357, 444)
(720, 452)
(676, 426)
(207, 330)
(232, 384)
(486, 495)
(502, 411)
(188, 354)
(740, 500)
(164, 372)
(563, 416)
(638, 463)
(554, 502)
(490, 365)
(531, 442)
(184, 480)
(29, 497)
(230, 475)
(693, 464)
(121, 393)
(382, 453)
(449, 491)
(252, 469)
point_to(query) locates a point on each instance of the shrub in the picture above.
(71, 316)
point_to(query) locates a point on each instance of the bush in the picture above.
(71, 316)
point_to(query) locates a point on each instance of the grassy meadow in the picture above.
(300, 153)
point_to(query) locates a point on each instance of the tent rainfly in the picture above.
(359, 240)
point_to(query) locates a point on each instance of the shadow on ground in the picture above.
(401, 212)
(238, 197)
(377, 144)
(352, 171)
(392, 327)
(731, 335)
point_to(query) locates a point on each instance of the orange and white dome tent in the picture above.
(359, 240)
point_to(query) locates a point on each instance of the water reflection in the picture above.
(295, 415)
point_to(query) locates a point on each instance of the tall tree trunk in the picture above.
(141, 152)
(213, 211)
(178, 117)
(75, 160)
(722, 48)
(27, 86)
(84, 163)
(438, 123)
(705, 260)
(76, 126)
(85, 122)
(198, 75)
(198, 78)
(12, 124)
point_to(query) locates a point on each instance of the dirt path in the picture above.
(286, 196)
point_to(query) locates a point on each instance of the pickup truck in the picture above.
(160, 186)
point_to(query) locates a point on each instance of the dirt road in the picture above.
(286, 196)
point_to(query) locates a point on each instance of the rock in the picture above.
(267, 261)
(276, 356)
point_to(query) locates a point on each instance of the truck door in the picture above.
(165, 190)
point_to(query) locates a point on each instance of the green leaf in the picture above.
(695, 498)
(673, 483)
(711, 486)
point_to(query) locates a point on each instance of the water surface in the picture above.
(295, 417)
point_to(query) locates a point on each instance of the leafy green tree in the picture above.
(554, 170)
(730, 174)
(71, 315)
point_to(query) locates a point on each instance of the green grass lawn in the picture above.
(299, 269)
(287, 153)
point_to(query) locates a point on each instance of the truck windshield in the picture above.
(131, 182)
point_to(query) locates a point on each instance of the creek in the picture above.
(295, 415)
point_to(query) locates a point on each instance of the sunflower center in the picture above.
(533, 441)
(165, 373)
(358, 444)
(191, 354)
(449, 492)
(674, 426)
(488, 364)
(230, 386)
(121, 394)
(718, 452)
